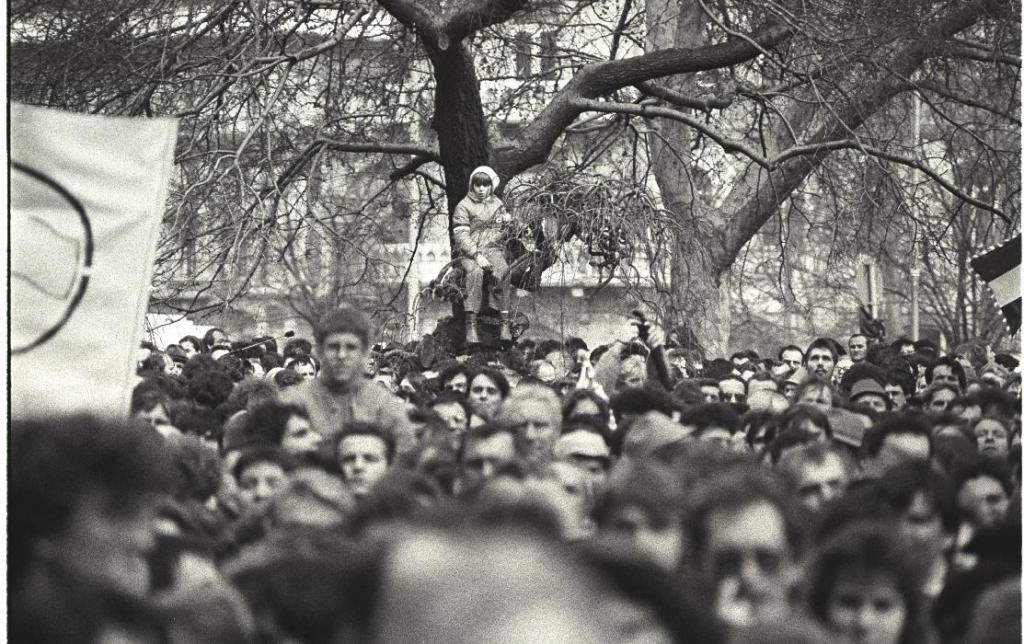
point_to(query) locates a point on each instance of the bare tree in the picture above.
(736, 107)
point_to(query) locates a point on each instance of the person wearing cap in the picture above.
(585, 444)
(794, 381)
(869, 392)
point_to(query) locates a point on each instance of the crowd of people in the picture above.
(337, 490)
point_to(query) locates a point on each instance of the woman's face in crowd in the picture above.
(819, 396)
(866, 606)
(299, 437)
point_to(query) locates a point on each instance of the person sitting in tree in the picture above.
(478, 220)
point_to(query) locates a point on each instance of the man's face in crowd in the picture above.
(483, 457)
(896, 395)
(457, 383)
(661, 541)
(454, 416)
(747, 554)
(992, 437)
(819, 483)
(793, 358)
(484, 396)
(299, 436)
(821, 362)
(858, 347)
(537, 427)
(984, 501)
(906, 349)
(866, 606)
(259, 483)
(874, 401)
(711, 393)
(943, 374)
(732, 390)
(342, 359)
(940, 400)
(190, 349)
(364, 461)
(305, 370)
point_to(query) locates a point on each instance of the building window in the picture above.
(548, 52)
(524, 55)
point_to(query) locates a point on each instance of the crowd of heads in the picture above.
(637, 491)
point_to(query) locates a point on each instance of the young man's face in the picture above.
(342, 358)
(259, 483)
(732, 390)
(821, 362)
(364, 462)
(943, 374)
(819, 483)
(993, 439)
(483, 456)
(793, 358)
(896, 395)
(984, 501)
(484, 396)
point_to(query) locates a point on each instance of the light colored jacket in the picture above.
(477, 223)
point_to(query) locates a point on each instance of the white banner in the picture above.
(86, 200)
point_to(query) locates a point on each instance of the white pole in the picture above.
(915, 266)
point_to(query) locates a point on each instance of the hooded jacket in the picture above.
(477, 222)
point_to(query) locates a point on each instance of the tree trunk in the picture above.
(458, 119)
(699, 294)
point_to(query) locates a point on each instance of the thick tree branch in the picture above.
(420, 16)
(683, 101)
(473, 15)
(650, 111)
(534, 144)
(757, 199)
(853, 144)
(385, 148)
